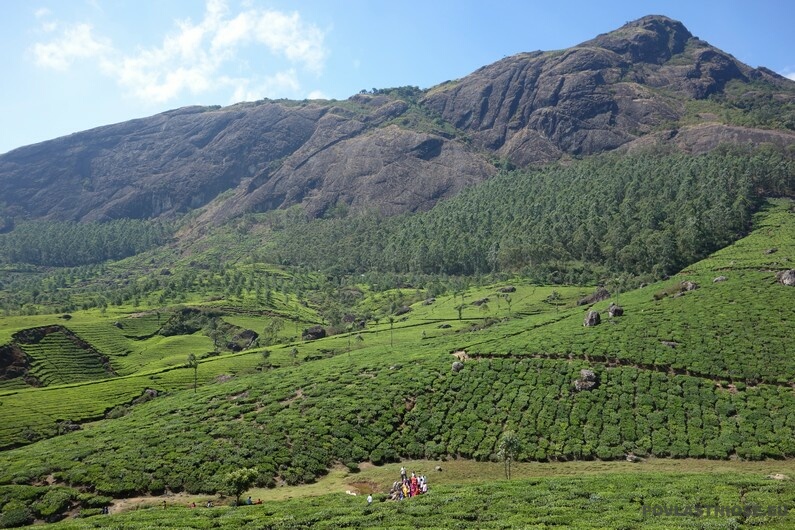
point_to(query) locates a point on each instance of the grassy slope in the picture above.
(379, 401)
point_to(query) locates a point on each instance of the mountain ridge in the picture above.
(403, 149)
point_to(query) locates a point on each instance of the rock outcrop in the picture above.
(587, 380)
(592, 318)
(313, 333)
(786, 277)
(597, 296)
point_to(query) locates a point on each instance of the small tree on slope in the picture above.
(239, 481)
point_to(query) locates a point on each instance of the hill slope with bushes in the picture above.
(683, 372)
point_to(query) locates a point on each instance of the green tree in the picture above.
(193, 362)
(265, 359)
(271, 331)
(240, 480)
(509, 447)
(216, 334)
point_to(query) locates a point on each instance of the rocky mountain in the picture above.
(648, 83)
(595, 97)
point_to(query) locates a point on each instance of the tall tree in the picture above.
(193, 362)
(509, 447)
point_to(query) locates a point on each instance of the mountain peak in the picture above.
(650, 39)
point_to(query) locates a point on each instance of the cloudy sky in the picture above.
(70, 65)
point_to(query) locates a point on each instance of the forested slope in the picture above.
(566, 223)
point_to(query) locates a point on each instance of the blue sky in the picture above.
(70, 65)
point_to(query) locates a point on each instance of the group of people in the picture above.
(408, 486)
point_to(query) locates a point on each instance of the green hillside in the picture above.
(701, 373)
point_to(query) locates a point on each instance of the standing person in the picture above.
(402, 473)
(369, 499)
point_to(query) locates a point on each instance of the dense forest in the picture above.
(645, 214)
(71, 244)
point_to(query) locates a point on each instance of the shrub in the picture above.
(54, 502)
(15, 513)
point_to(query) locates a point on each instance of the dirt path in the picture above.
(371, 479)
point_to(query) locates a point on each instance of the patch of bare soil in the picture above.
(364, 487)
(149, 501)
(299, 394)
(235, 397)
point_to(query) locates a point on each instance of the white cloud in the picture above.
(194, 57)
(42, 12)
(279, 83)
(287, 34)
(317, 94)
(76, 42)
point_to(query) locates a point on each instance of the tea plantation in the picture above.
(700, 365)
(589, 502)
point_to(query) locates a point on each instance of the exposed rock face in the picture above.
(271, 154)
(13, 362)
(457, 366)
(786, 277)
(313, 333)
(594, 97)
(587, 380)
(600, 294)
(242, 340)
(592, 319)
(153, 166)
(719, 279)
(687, 285)
(390, 168)
(392, 153)
(615, 310)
